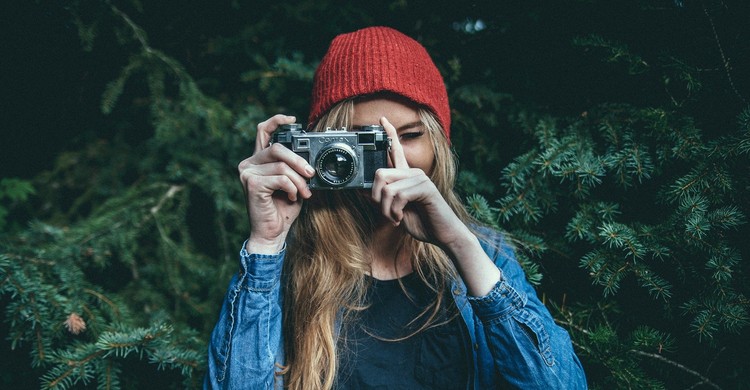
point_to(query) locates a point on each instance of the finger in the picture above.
(267, 127)
(283, 169)
(396, 196)
(257, 173)
(385, 176)
(266, 185)
(398, 159)
(278, 152)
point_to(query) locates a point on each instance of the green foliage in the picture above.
(57, 274)
(12, 191)
(622, 360)
(613, 52)
(675, 238)
(619, 148)
(528, 247)
(611, 140)
(84, 363)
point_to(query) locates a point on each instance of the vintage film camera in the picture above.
(342, 159)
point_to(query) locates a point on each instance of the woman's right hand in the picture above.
(275, 182)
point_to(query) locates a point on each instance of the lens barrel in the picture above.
(336, 164)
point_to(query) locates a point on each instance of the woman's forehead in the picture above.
(371, 110)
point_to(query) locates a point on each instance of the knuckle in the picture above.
(243, 172)
(380, 174)
(389, 192)
(251, 181)
(271, 123)
(286, 170)
(290, 184)
(278, 166)
(277, 149)
(286, 185)
(244, 164)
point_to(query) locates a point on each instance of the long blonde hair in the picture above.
(328, 262)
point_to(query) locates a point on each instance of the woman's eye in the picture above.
(411, 135)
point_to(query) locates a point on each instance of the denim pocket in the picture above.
(532, 328)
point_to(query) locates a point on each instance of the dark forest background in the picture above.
(610, 139)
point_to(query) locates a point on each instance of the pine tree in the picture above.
(651, 207)
(610, 140)
(114, 276)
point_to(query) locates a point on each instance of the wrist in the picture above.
(478, 271)
(263, 246)
(463, 242)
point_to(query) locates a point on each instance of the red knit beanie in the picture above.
(379, 59)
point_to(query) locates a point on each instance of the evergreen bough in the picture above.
(629, 216)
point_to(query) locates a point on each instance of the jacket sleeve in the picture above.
(246, 342)
(529, 350)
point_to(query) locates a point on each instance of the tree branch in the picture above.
(724, 59)
(661, 358)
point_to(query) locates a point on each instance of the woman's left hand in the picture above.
(407, 196)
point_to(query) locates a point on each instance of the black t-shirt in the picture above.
(435, 358)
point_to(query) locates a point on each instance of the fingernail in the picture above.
(309, 170)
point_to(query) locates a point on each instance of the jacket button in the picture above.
(457, 291)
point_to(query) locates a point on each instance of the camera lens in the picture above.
(336, 165)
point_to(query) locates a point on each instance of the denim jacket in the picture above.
(512, 338)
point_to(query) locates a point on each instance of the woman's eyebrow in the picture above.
(410, 125)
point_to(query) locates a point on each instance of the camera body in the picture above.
(342, 159)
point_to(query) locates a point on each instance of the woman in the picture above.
(392, 287)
